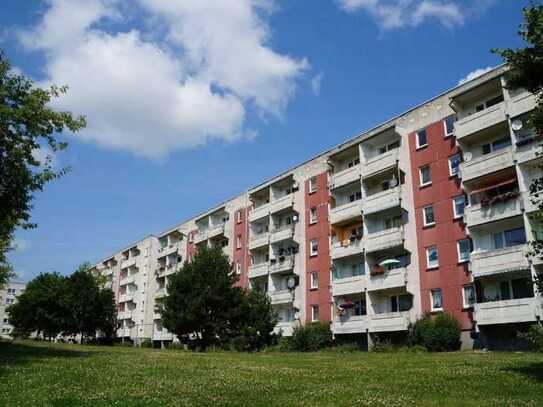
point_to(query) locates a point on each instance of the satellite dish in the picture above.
(467, 156)
(295, 218)
(516, 125)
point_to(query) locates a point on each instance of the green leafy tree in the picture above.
(28, 125)
(526, 72)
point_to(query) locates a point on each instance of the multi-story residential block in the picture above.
(427, 212)
(8, 296)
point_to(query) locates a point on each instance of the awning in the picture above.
(500, 184)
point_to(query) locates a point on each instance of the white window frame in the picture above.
(450, 166)
(313, 250)
(238, 216)
(459, 253)
(424, 218)
(457, 215)
(465, 304)
(312, 185)
(445, 126)
(313, 215)
(432, 299)
(314, 277)
(419, 146)
(238, 268)
(422, 183)
(238, 242)
(428, 265)
(314, 312)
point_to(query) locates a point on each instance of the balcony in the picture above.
(486, 164)
(380, 163)
(389, 322)
(499, 261)
(162, 336)
(126, 297)
(216, 230)
(506, 312)
(128, 262)
(160, 293)
(351, 325)
(523, 103)
(280, 234)
(345, 177)
(346, 212)
(480, 121)
(384, 239)
(282, 203)
(281, 266)
(349, 285)
(381, 201)
(284, 327)
(260, 212)
(258, 270)
(201, 236)
(128, 280)
(280, 297)
(169, 249)
(389, 279)
(479, 214)
(340, 250)
(259, 240)
(124, 315)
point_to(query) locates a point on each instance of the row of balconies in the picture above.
(275, 236)
(370, 243)
(386, 322)
(281, 265)
(381, 280)
(276, 206)
(380, 201)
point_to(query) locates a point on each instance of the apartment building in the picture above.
(8, 296)
(427, 212)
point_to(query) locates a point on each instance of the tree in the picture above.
(526, 71)
(28, 126)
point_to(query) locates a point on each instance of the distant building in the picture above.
(7, 297)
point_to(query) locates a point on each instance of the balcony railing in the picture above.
(285, 327)
(161, 293)
(282, 203)
(216, 230)
(280, 296)
(282, 264)
(486, 164)
(260, 240)
(282, 233)
(124, 315)
(128, 280)
(381, 201)
(346, 212)
(499, 261)
(385, 239)
(351, 324)
(342, 249)
(126, 297)
(506, 312)
(131, 261)
(480, 121)
(380, 163)
(509, 205)
(389, 322)
(349, 285)
(259, 270)
(345, 177)
(523, 103)
(259, 212)
(382, 279)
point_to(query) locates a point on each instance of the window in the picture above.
(353, 162)
(238, 242)
(394, 222)
(454, 165)
(388, 147)
(312, 185)
(464, 249)
(238, 268)
(459, 204)
(508, 238)
(355, 196)
(313, 216)
(448, 124)
(428, 215)
(11, 291)
(425, 175)
(468, 295)
(238, 216)
(422, 138)
(437, 299)
(9, 300)
(314, 313)
(496, 145)
(432, 260)
(400, 303)
(314, 280)
(314, 247)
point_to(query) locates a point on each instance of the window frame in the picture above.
(451, 174)
(422, 183)
(432, 292)
(238, 216)
(465, 304)
(417, 140)
(314, 280)
(313, 251)
(314, 311)
(313, 215)
(447, 134)
(313, 185)
(430, 266)
(425, 218)
(238, 242)
(458, 251)
(455, 214)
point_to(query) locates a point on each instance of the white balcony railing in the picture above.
(351, 324)
(480, 121)
(283, 233)
(349, 285)
(499, 261)
(343, 213)
(282, 203)
(381, 201)
(259, 212)
(380, 163)
(389, 322)
(395, 278)
(126, 297)
(260, 240)
(131, 261)
(344, 249)
(282, 264)
(523, 103)
(345, 177)
(216, 230)
(506, 312)
(284, 327)
(280, 296)
(479, 214)
(385, 239)
(259, 270)
(486, 164)
(161, 293)
(128, 280)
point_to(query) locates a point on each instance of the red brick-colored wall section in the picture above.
(241, 254)
(320, 263)
(191, 247)
(451, 275)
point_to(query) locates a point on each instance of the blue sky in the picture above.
(191, 102)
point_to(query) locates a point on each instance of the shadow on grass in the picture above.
(531, 370)
(15, 354)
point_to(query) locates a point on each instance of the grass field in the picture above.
(35, 374)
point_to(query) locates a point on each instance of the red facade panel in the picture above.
(241, 252)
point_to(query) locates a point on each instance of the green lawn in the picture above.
(37, 374)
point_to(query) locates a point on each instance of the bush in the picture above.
(311, 337)
(383, 346)
(534, 337)
(438, 334)
(146, 343)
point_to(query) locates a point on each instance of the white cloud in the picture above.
(45, 156)
(316, 84)
(186, 80)
(474, 74)
(394, 14)
(20, 245)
